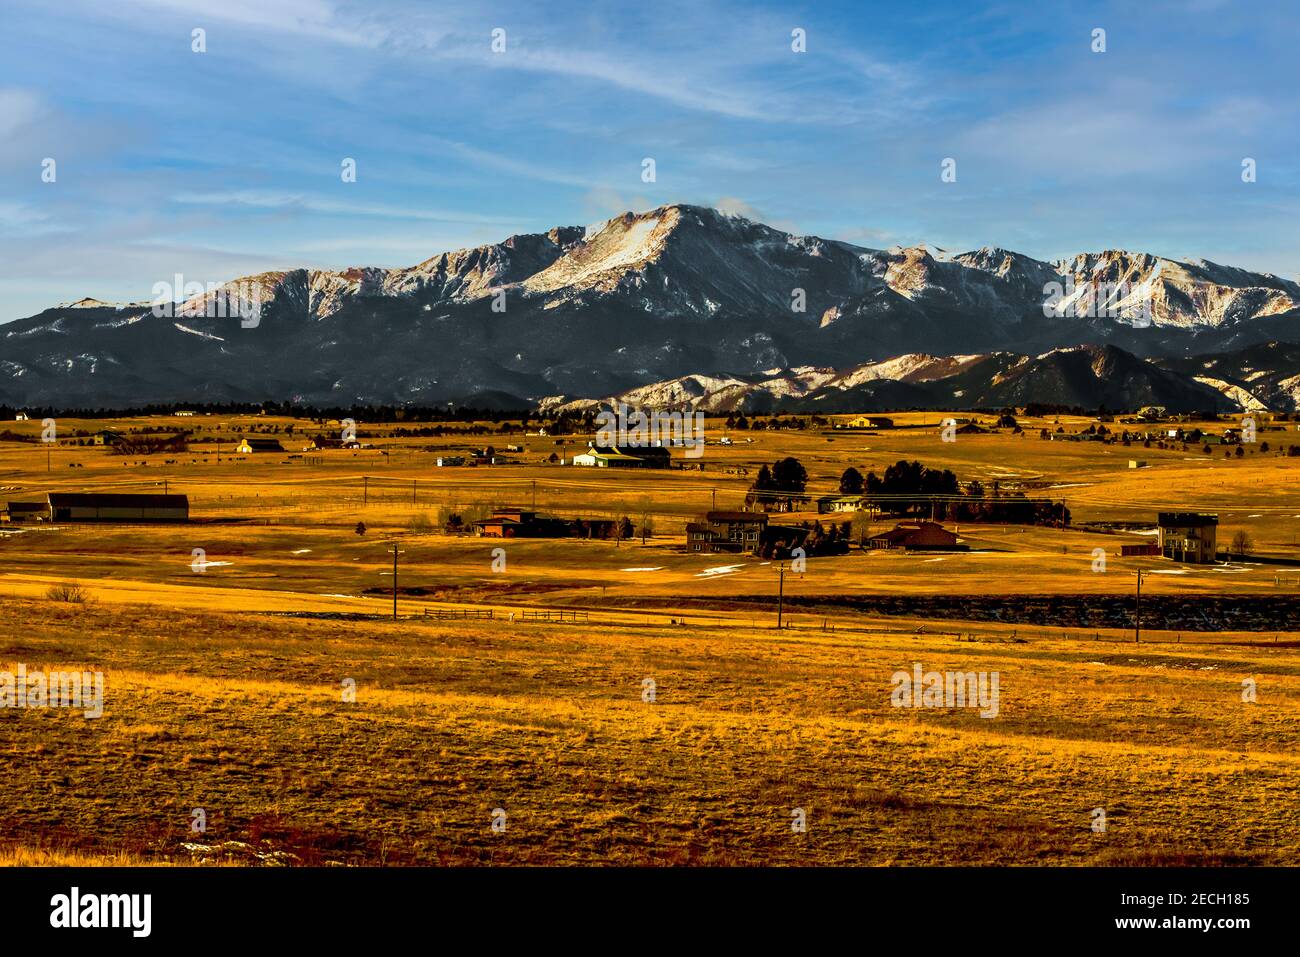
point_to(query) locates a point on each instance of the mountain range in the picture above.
(685, 305)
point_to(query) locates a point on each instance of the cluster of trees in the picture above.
(367, 413)
(908, 487)
(151, 444)
(504, 428)
(912, 489)
(780, 486)
(813, 537)
(740, 422)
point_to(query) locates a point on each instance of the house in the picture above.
(870, 422)
(840, 503)
(323, 442)
(916, 536)
(596, 457)
(183, 413)
(107, 437)
(20, 417)
(1188, 536)
(518, 523)
(1137, 463)
(26, 512)
(117, 507)
(248, 446)
(604, 457)
(726, 532)
(526, 523)
(970, 428)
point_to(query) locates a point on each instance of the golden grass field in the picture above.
(215, 702)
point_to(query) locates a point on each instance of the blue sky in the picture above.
(227, 162)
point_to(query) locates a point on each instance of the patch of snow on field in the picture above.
(652, 568)
(208, 564)
(1167, 571)
(719, 570)
(302, 551)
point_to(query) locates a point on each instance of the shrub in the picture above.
(66, 591)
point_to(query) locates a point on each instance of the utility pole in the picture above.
(780, 594)
(394, 581)
(1137, 616)
(715, 500)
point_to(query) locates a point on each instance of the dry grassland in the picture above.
(216, 698)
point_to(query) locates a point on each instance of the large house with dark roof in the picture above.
(727, 532)
(1188, 536)
(916, 536)
(526, 523)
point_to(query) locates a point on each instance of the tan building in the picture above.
(870, 422)
(1188, 536)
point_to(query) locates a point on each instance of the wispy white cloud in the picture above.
(273, 199)
(18, 107)
(319, 19)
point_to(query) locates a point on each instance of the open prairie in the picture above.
(663, 718)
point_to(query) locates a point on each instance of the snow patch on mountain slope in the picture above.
(626, 242)
(1236, 393)
(196, 332)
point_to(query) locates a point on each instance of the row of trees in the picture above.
(910, 488)
(740, 422)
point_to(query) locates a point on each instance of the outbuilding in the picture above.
(117, 507)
